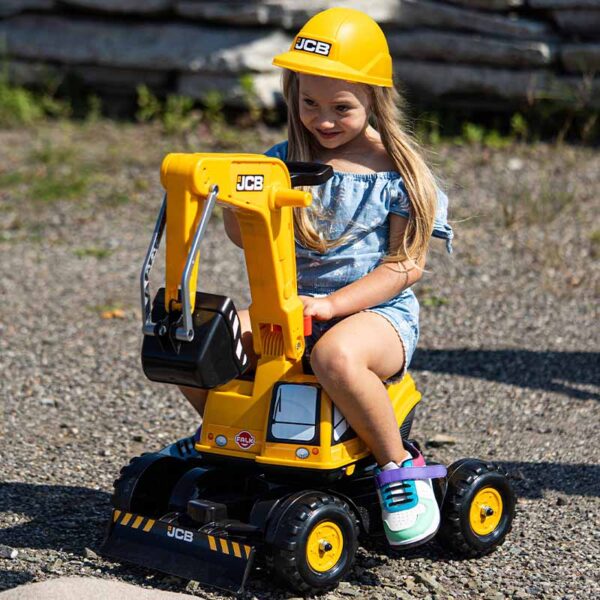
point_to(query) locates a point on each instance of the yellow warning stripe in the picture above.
(137, 522)
(149, 524)
(126, 518)
(116, 515)
(224, 546)
(247, 550)
(212, 543)
(236, 549)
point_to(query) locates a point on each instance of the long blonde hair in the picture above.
(387, 119)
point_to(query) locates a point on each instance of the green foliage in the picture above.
(214, 103)
(12, 179)
(176, 114)
(251, 99)
(149, 107)
(20, 106)
(61, 174)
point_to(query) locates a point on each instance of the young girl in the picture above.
(361, 245)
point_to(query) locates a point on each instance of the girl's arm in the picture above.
(232, 227)
(384, 282)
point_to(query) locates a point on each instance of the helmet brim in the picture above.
(312, 64)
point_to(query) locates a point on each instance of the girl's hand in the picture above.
(320, 309)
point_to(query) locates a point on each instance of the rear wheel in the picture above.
(478, 508)
(314, 542)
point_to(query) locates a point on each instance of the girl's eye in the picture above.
(342, 108)
(308, 102)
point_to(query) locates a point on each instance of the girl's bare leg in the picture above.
(197, 396)
(350, 361)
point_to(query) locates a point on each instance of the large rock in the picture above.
(288, 14)
(427, 80)
(490, 4)
(88, 588)
(141, 46)
(266, 88)
(564, 3)
(123, 6)
(583, 22)
(469, 48)
(14, 7)
(414, 13)
(581, 58)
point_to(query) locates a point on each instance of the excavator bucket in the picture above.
(187, 553)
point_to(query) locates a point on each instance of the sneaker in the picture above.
(409, 510)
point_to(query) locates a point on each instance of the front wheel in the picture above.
(314, 542)
(478, 508)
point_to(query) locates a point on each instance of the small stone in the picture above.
(430, 581)
(137, 437)
(561, 501)
(8, 552)
(90, 554)
(192, 586)
(440, 439)
(515, 164)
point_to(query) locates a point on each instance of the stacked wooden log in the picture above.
(499, 53)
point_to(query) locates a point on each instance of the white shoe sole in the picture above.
(422, 539)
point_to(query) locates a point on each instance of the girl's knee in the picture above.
(330, 360)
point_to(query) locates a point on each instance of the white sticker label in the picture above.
(250, 183)
(313, 46)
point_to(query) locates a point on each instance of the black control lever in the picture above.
(308, 173)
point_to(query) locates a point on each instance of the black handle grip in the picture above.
(308, 173)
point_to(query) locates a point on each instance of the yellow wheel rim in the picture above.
(486, 511)
(324, 546)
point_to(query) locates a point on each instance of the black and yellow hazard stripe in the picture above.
(225, 546)
(132, 520)
(216, 544)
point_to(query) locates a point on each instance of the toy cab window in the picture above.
(295, 411)
(341, 428)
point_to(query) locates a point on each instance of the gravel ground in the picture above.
(508, 362)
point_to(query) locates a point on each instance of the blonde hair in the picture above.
(404, 151)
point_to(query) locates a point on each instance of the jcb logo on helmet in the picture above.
(180, 534)
(314, 46)
(250, 183)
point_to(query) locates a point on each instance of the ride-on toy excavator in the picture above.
(276, 474)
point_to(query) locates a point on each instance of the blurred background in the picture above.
(506, 64)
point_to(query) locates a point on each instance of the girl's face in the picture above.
(334, 111)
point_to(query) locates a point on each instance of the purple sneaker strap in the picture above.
(409, 473)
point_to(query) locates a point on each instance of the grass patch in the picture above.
(595, 244)
(55, 186)
(94, 251)
(12, 179)
(525, 205)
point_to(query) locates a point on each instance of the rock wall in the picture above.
(479, 53)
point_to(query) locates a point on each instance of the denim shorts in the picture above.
(397, 313)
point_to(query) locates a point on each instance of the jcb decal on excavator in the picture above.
(180, 534)
(250, 183)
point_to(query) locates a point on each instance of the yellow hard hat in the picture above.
(342, 43)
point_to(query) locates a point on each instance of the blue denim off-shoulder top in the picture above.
(355, 206)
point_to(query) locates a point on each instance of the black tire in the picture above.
(288, 553)
(145, 484)
(470, 480)
(407, 424)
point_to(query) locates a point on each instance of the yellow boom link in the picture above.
(258, 189)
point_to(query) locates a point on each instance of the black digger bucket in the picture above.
(186, 553)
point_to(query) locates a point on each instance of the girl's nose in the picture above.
(326, 122)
